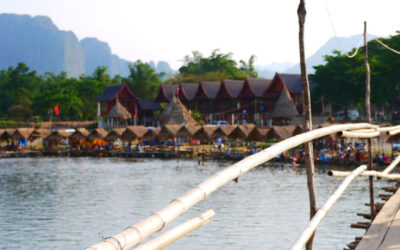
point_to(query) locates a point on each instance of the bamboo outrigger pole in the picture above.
(323, 211)
(369, 120)
(178, 232)
(308, 147)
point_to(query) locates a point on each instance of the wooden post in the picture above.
(308, 147)
(369, 120)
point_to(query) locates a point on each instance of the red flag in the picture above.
(135, 114)
(177, 91)
(56, 110)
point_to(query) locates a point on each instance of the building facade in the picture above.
(235, 101)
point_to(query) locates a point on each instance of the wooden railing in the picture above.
(138, 232)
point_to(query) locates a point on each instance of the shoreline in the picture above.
(214, 156)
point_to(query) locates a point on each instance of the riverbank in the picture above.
(200, 156)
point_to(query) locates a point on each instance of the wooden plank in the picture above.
(385, 229)
(392, 239)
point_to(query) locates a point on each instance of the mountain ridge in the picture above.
(39, 43)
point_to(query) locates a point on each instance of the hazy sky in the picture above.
(170, 29)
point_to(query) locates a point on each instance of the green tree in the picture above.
(143, 80)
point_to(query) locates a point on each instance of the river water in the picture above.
(70, 203)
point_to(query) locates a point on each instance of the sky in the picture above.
(170, 29)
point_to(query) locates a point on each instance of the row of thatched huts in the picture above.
(204, 133)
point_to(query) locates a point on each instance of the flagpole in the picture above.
(51, 117)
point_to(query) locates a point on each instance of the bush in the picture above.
(13, 124)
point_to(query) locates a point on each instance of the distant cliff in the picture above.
(37, 42)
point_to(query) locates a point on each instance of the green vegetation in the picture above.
(27, 96)
(216, 67)
(342, 79)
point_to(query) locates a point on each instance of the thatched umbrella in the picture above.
(7, 133)
(133, 132)
(80, 133)
(278, 133)
(223, 131)
(115, 134)
(205, 133)
(177, 113)
(246, 129)
(58, 135)
(258, 134)
(22, 134)
(284, 107)
(151, 134)
(119, 112)
(39, 133)
(298, 130)
(237, 133)
(169, 131)
(188, 130)
(98, 133)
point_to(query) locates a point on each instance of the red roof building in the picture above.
(235, 100)
(141, 110)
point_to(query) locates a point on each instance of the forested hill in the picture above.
(37, 42)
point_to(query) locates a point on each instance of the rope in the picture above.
(386, 46)
(336, 38)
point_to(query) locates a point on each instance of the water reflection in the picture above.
(63, 203)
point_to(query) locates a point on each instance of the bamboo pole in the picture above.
(386, 129)
(369, 120)
(372, 173)
(156, 222)
(322, 212)
(308, 147)
(393, 132)
(364, 130)
(351, 134)
(178, 232)
(392, 165)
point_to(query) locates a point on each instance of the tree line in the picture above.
(27, 96)
(342, 79)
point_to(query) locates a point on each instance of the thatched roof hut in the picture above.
(298, 130)
(176, 113)
(258, 134)
(205, 132)
(280, 132)
(188, 130)
(169, 131)
(133, 132)
(223, 131)
(22, 133)
(7, 133)
(98, 133)
(39, 133)
(58, 135)
(241, 131)
(115, 134)
(119, 112)
(284, 107)
(165, 113)
(80, 133)
(151, 134)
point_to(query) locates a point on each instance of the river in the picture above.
(70, 203)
